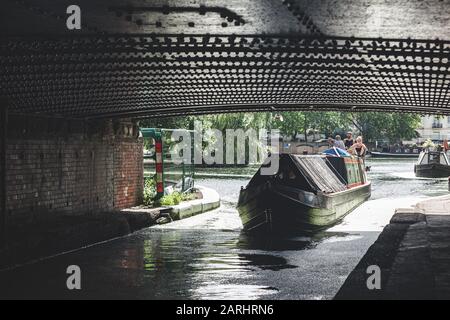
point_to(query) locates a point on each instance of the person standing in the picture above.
(348, 142)
(359, 149)
(446, 146)
(338, 143)
(330, 142)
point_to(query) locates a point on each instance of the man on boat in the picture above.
(330, 142)
(348, 142)
(338, 143)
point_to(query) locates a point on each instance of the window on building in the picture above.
(437, 123)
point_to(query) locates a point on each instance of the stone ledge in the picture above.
(437, 205)
(210, 200)
(408, 216)
(140, 217)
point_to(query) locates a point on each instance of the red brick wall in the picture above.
(128, 174)
(58, 166)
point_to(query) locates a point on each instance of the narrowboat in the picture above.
(305, 194)
(432, 164)
(375, 154)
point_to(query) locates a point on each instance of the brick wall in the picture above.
(60, 166)
(128, 174)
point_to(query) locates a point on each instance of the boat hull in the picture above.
(277, 209)
(393, 155)
(434, 170)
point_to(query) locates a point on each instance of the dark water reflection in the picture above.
(194, 264)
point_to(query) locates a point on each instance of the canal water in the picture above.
(209, 257)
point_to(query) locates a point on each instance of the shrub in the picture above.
(168, 200)
(188, 196)
(149, 191)
(176, 198)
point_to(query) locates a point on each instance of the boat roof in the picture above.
(428, 156)
(312, 168)
(336, 152)
(319, 174)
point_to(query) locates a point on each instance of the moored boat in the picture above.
(375, 154)
(307, 193)
(432, 164)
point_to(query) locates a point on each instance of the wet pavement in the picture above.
(209, 257)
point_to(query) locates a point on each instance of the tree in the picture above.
(243, 121)
(292, 124)
(372, 125)
(382, 125)
(166, 123)
(328, 123)
(332, 123)
(403, 127)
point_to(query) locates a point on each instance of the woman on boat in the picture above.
(359, 149)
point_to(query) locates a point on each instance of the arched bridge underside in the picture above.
(165, 58)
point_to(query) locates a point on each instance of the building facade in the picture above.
(435, 128)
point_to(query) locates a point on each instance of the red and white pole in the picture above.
(159, 168)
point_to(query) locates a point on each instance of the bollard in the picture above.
(448, 183)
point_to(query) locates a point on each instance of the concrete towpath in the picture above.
(439, 205)
(413, 254)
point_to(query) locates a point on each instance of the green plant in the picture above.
(170, 199)
(175, 198)
(188, 196)
(149, 191)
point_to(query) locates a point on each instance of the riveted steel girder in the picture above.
(141, 70)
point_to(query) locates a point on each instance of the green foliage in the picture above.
(292, 124)
(166, 123)
(149, 192)
(403, 126)
(302, 122)
(372, 125)
(332, 123)
(175, 198)
(383, 125)
(168, 200)
(188, 196)
(243, 121)
(149, 144)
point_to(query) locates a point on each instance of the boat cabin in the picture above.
(433, 157)
(326, 173)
